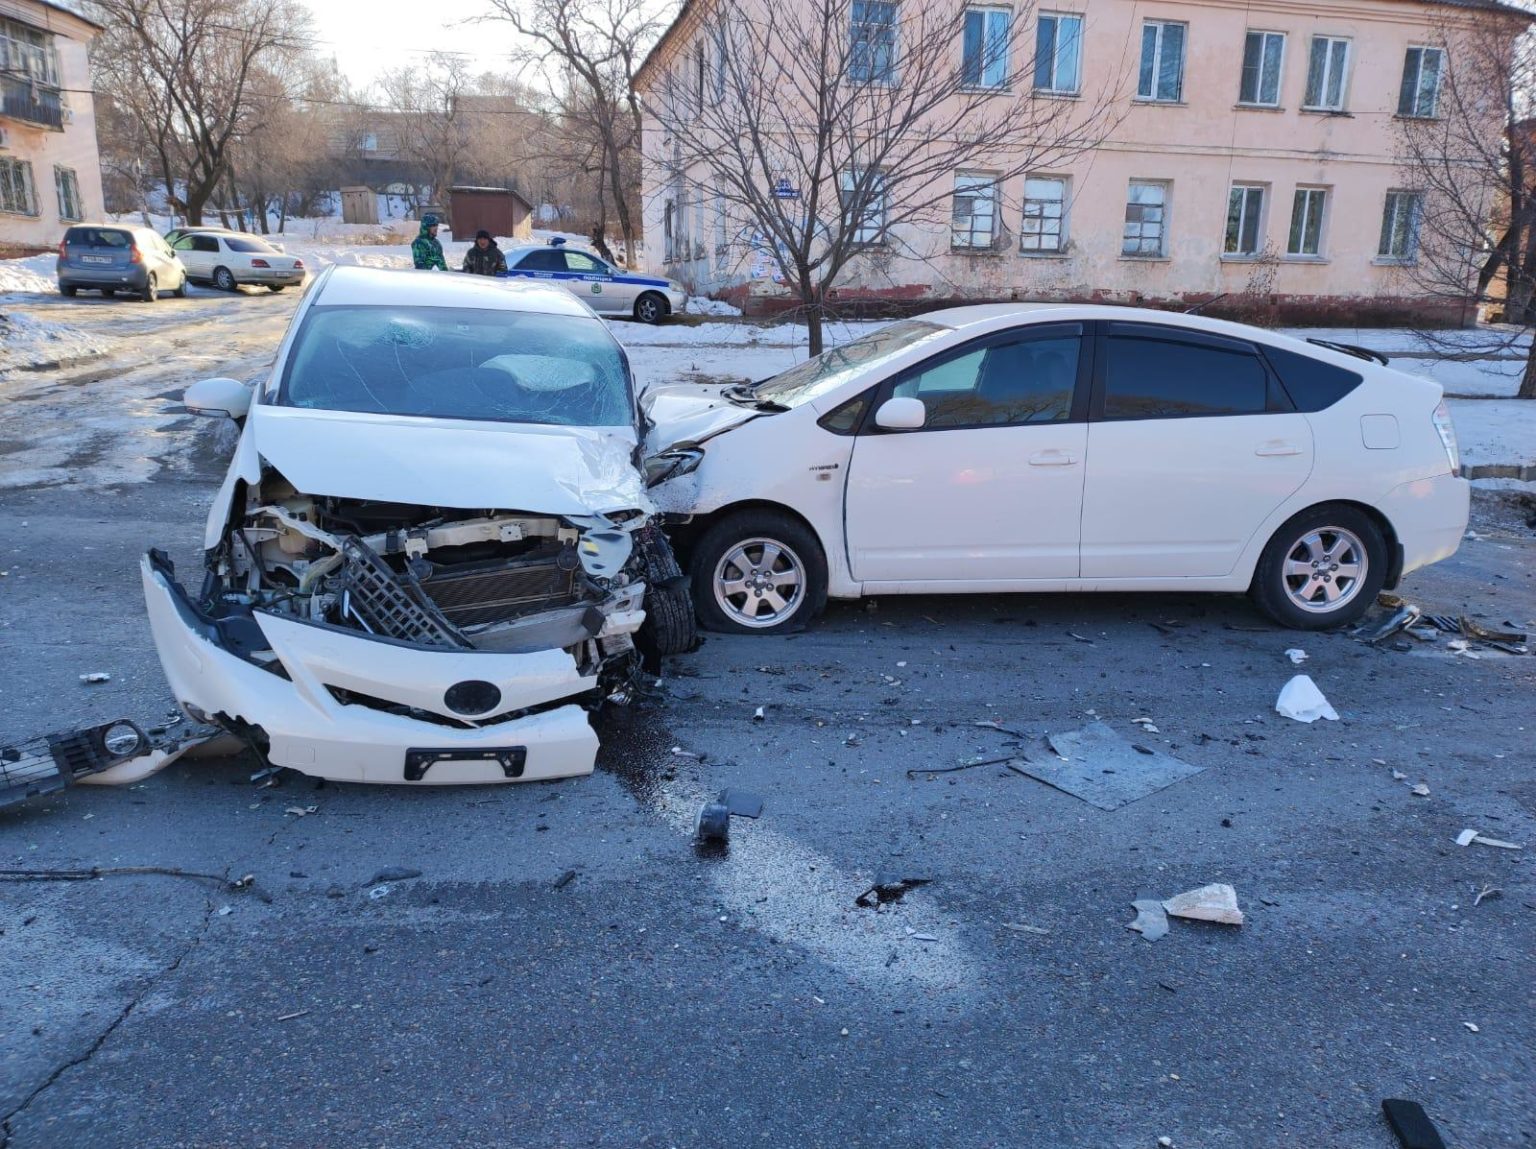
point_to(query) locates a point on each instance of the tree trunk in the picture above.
(282, 216)
(815, 315)
(1528, 380)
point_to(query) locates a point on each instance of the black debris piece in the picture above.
(887, 889)
(741, 803)
(392, 874)
(1411, 1124)
(53, 762)
(565, 879)
(713, 824)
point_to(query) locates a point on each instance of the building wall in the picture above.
(45, 148)
(1200, 146)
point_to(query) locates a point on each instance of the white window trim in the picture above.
(878, 207)
(981, 84)
(1321, 254)
(1415, 234)
(888, 80)
(991, 182)
(1054, 87)
(1434, 111)
(1065, 236)
(1261, 229)
(31, 209)
(1157, 61)
(1285, 43)
(60, 172)
(1162, 238)
(1349, 60)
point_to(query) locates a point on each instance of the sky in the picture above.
(369, 37)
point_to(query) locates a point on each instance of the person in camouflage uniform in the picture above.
(485, 258)
(426, 252)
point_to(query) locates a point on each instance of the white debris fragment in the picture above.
(1399, 776)
(378, 892)
(1302, 700)
(95, 676)
(225, 911)
(758, 715)
(1472, 1026)
(1296, 655)
(1468, 837)
(1465, 837)
(1214, 903)
(1422, 790)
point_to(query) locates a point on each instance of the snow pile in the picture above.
(28, 342)
(715, 308)
(31, 276)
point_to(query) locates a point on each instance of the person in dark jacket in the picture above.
(426, 251)
(485, 258)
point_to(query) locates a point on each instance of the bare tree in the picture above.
(597, 46)
(185, 70)
(430, 119)
(1466, 150)
(829, 129)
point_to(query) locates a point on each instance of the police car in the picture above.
(605, 289)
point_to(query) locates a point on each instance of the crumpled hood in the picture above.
(688, 413)
(566, 471)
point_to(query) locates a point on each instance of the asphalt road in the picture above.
(663, 997)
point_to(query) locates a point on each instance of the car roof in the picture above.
(363, 286)
(525, 248)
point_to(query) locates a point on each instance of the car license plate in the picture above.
(511, 759)
(95, 259)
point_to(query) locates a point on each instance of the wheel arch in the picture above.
(685, 535)
(1388, 533)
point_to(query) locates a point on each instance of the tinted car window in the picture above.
(98, 237)
(204, 243)
(1165, 378)
(1311, 383)
(542, 261)
(1023, 381)
(240, 243)
(846, 417)
(579, 261)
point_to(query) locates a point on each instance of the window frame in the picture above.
(1258, 101)
(1389, 230)
(860, 238)
(1167, 207)
(989, 181)
(1034, 332)
(1162, 27)
(1415, 112)
(17, 177)
(66, 188)
(987, 58)
(1055, 87)
(1276, 400)
(1323, 211)
(1307, 103)
(867, 69)
(1247, 214)
(1063, 231)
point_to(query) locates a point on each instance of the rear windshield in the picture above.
(460, 363)
(240, 243)
(98, 237)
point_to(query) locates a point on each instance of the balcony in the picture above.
(31, 103)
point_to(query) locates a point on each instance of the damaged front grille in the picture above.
(472, 594)
(387, 604)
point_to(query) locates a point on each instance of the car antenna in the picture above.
(1199, 307)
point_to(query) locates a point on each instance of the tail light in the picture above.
(63, 249)
(135, 255)
(298, 265)
(260, 263)
(1447, 429)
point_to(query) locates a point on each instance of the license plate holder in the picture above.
(106, 259)
(511, 759)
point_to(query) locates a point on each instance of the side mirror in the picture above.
(901, 415)
(228, 398)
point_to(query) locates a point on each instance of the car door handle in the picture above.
(1278, 447)
(1052, 459)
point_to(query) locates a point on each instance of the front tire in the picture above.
(1323, 568)
(151, 292)
(223, 279)
(274, 288)
(669, 626)
(68, 290)
(758, 572)
(651, 308)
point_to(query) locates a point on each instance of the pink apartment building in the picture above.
(1251, 157)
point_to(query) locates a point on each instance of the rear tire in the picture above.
(108, 292)
(758, 572)
(151, 292)
(181, 289)
(67, 290)
(223, 279)
(274, 288)
(1323, 568)
(651, 308)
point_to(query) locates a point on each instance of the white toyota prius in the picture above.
(1059, 448)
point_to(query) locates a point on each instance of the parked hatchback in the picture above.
(109, 258)
(226, 259)
(1013, 448)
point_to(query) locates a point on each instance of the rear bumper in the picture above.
(310, 730)
(268, 278)
(134, 277)
(1429, 517)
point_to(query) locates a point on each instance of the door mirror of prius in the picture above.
(228, 398)
(901, 415)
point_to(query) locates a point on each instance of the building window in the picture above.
(973, 225)
(698, 78)
(865, 207)
(68, 188)
(1263, 54)
(668, 231)
(1045, 215)
(370, 142)
(721, 67)
(1307, 222)
(1326, 70)
(1058, 53)
(872, 59)
(1245, 220)
(1420, 95)
(1146, 220)
(984, 58)
(28, 52)
(17, 194)
(1400, 225)
(1162, 62)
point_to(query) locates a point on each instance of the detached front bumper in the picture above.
(309, 728)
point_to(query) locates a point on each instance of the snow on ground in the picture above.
(31, 276)
(26, 341)
(1495, 431)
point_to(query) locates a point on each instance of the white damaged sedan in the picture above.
(432, 556)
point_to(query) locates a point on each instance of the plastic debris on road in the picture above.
(1302, 700)
(95, 676)
(1296, 655)
(1151, 919)
(1214, 903)
(1471, 837)
(1103, 769)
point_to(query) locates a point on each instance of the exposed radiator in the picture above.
(474, 593)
